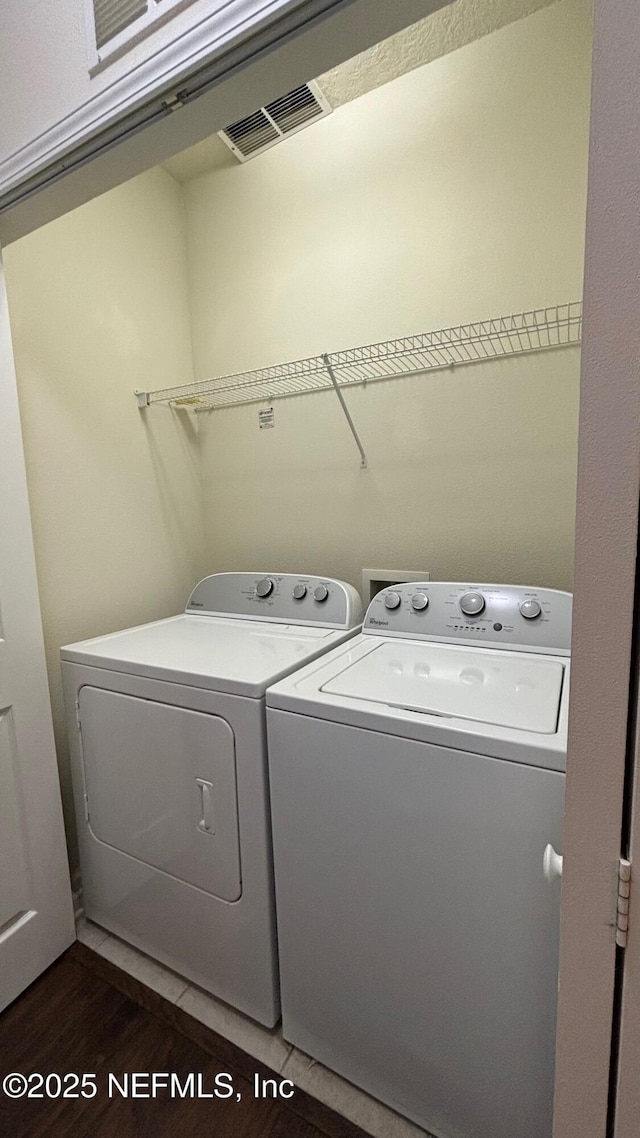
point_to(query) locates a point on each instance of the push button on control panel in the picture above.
(264, 588)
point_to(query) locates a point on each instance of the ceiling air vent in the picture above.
(113, 16)
(275, 121)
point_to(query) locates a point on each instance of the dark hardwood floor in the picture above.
(85, 1015)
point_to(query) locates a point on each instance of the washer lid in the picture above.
(499, 688)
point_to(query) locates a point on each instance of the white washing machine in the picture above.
(168, 746)
(416, 778)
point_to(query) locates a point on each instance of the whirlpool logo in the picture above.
(379, 623)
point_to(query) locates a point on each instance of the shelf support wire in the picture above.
(347, 415)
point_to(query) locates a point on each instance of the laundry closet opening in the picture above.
(446, 187)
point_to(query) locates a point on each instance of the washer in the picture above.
(416, 779)
(168, 748)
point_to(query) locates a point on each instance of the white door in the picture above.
(36, 915)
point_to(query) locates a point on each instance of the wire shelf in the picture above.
(540, 329)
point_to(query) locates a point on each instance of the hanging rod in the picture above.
(540, 329)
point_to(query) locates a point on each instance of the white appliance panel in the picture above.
(229, 655)
(508, 617)
(418, 937)
(225, 948)
(166, 724)
(305, 692)
(278, 598)
(505, 689)
(161, 786)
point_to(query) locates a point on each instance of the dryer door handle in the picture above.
(206, 823)
(551, 863)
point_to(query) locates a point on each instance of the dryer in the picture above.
(417, 778)
(166, 724)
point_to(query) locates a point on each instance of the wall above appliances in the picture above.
(540, 329)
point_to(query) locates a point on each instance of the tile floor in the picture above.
(263, 1044)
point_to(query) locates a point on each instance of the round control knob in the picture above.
(472, 604)
(264, 588)
(321, 593)
(299, 591)
(419, 602)
(530, 609)
(392, 601)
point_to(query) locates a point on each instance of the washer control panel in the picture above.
(280, 597)
(496, 616)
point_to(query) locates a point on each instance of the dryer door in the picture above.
(160, 785)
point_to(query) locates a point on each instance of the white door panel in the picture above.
(36, 916)
(160, 784)
(13, 843)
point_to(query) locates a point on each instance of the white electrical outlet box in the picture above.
(373, 580)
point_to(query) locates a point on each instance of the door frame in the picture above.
(605, 579)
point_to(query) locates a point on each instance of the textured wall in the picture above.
(445, 30)
(98, 304)
(450, 28)
(454, 193)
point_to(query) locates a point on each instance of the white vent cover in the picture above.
(275, 121)
(113, 16)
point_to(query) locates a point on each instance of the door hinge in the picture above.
(624, 891)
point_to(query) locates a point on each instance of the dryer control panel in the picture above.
(284, 598)
(496, 616)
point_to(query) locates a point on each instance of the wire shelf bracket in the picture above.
(540, 329)
(347, 415)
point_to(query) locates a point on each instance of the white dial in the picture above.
(419, 602)
(530, 609)
(392, 601)
(472, 604)
(321, 592)
(299, 591)
(264, 588)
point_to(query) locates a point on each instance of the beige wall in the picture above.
(98, 304)
(454, 193)
(457, 192)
